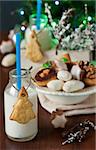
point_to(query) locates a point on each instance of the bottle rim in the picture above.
(43, 18)
(24, 73)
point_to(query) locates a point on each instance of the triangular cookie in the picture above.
(22, 110)
(33, 49)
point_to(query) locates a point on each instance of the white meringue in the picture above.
(73, 85)
(60, 65)
(64, 75)
(6, 47)
(8, 60)
(55, 85)
(76, 72)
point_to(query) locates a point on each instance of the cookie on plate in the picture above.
(44, 76)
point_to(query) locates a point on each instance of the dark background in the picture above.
(7, 21)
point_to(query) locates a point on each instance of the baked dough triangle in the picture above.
(33, 49)
(22, 110)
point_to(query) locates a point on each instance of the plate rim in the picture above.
(62, 93)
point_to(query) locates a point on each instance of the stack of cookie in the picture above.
(66, 75)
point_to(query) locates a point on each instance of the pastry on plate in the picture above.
(90, 73)
(66, 57)
(89, 82)
(44, 76)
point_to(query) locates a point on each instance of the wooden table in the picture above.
(48, 138)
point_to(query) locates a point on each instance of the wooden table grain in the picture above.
(47, 138)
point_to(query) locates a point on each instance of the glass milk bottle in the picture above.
(44, 34)
(14, 130)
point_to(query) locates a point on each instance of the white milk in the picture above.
(13, 129)
(44, 37)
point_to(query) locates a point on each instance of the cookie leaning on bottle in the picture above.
(22, 109)
(33, 48)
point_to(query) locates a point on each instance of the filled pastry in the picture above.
(90, 73)
(45, 75)
(66, 57)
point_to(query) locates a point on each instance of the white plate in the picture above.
(62, 97)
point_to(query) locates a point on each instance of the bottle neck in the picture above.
(24, 78)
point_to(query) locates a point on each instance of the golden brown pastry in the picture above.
(44, 76)
(89, 82)
(90, 73)
(67, 57)
(22, 110)
(33, 49)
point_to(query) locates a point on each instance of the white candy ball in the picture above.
(76, 71)
(55, 85)
(8, 60)
(64, 75)
(6, 47)
(73, 85)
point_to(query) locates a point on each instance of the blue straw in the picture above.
(39, 4)
(18, 61)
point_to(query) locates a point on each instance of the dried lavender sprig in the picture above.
(61, 38)
(67, 14)
(63, 22)
(71, 138)
(78, 132)
(62, 27)
(78, 126)
(47, 10)
(80, 39)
